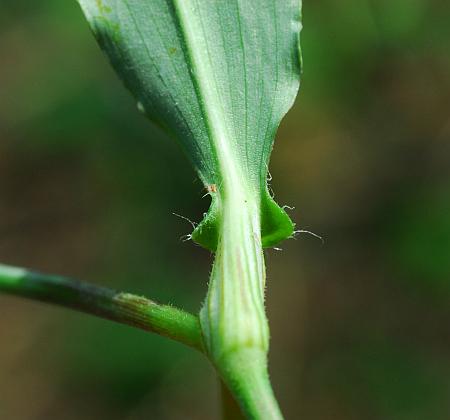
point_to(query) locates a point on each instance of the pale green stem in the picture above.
(124, 308)
(233, 319)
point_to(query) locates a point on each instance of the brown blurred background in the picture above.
(360, 325)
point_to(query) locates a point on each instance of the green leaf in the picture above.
(218, 75)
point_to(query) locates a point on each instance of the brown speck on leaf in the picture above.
(212, 188)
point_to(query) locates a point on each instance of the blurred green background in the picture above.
(360, 325)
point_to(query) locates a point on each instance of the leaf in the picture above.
(218, 75)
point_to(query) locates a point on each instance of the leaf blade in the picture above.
(218, 76)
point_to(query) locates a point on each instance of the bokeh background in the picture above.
(360, 324)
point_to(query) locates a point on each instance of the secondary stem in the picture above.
(124, 308)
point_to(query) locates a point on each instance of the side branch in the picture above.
(125, 308)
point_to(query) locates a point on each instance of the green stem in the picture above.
(245, 373)
(124, 308)
(233, 319)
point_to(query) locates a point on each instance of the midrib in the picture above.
(232, 180)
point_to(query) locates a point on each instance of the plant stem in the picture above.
(245, 373)
(124, 308)
(233, 319)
